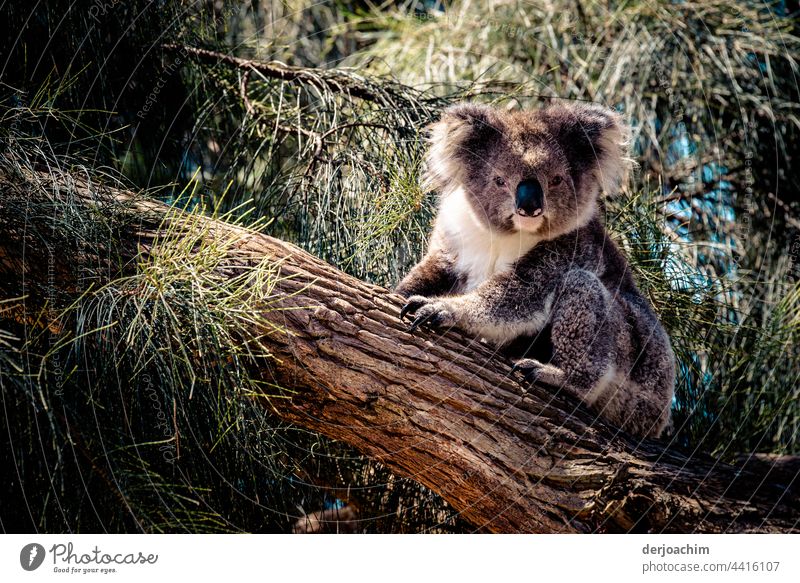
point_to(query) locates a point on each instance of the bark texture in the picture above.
(441, 409)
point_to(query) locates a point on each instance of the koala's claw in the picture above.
(530, 368)
(413, 303)
(427, 318)
(428, 313)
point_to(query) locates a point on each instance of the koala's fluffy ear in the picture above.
(595, 139)
(457, 142)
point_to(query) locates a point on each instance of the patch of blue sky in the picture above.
(714, 172)
(334, 504)
(684, 276)
(680, 210)
(679, 148)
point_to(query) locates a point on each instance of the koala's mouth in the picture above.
(536, 212)
(525, 222)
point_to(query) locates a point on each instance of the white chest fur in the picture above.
(479, 251)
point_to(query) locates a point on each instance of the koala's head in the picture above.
(534, 171)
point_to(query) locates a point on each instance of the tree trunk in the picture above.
(441, 409)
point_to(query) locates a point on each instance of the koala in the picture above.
(519, 249)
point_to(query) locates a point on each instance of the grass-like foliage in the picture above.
(307, 122)
(148, 393)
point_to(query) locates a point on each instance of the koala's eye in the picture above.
(499, 181)
(556, 180)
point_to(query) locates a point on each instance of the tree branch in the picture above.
(336, 80)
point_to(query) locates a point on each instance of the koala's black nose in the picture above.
(530, 198)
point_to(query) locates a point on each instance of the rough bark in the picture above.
(441, 409)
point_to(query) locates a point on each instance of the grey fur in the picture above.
(501, 274)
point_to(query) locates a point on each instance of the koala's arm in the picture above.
(502, 308)
(433, 276)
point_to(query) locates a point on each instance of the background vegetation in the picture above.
(316, 135)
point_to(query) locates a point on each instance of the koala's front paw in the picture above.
(530, 368)
(427, 312)
(537, 372)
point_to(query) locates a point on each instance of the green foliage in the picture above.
(149, 396)
(735, 339)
